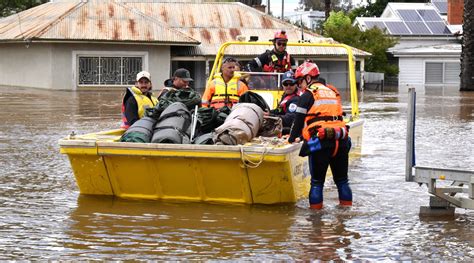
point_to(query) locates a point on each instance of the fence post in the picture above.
(410, 140)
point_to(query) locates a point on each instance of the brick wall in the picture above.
(455, 12)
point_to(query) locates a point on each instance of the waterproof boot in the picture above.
(316, 197)
(345, 193)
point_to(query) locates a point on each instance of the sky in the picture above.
(290, 5)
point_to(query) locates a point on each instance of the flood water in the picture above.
(42, 216)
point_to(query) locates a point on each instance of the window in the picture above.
(442, 72)
(108, 70)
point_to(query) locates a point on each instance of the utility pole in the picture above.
(282, 9)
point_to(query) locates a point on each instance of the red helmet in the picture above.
(307, 68)
(280, 35)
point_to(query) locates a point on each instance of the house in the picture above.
(104, 43)
(428, 51)
(310, 19)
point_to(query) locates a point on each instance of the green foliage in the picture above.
(9, 7)
(374, 40)
(336, 20)
(375, 9)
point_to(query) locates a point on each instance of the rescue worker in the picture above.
(275, 60)
(226, 87)
(286, 110)
(180, 80)
(137, 99)
(326, 141)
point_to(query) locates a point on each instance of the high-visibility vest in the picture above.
(143, 102)
(326, 111)
(225, 94)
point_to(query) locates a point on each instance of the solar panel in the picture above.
(438, 28)
(372, 24)
(409, 15)
(397, 28)
(418, 28)
(429, 15)
(441, 5)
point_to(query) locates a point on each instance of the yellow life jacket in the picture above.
(143, 102)
(226, 94)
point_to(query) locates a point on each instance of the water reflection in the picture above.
(172, 231)
(42, 217)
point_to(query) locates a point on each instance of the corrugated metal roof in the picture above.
(29, 22)
(215, 23)
(93, 20)
(208, 48)
(210, 24)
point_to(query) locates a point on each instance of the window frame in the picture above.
(93, 53)
(443, 62)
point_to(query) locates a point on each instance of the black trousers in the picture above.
(319, 162)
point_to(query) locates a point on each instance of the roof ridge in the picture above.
(59, 19)
(154, 20)
(279, 21)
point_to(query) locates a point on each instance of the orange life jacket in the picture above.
(326, 111)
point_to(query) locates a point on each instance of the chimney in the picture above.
(455, 12)
(260, 8)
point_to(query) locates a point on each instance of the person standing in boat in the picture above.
(137, 99)
(286, 110)
(180, 80)
(275, 60)
(226, 87)
(319, 122)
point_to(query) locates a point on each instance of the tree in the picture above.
(9, 7)
(339, 27)
(467, 53)
(375, 9)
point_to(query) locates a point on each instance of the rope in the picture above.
(247, 163)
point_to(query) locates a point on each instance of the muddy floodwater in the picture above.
(43, 217)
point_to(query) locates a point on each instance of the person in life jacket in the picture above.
(275, 60)
(137, 99)
(319, 121)
(286, 110)
(180, 80)
(226, 87)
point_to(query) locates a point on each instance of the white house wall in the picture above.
(411, 73)
(26, 67)
(156, 61)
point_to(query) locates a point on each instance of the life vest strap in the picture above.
(325, 118)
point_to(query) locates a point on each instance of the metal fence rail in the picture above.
(459, 193)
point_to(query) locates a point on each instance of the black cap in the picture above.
(183, 73)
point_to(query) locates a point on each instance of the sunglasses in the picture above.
(283, 44)
(288, 84)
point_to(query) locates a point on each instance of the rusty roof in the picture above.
(215, 23)
(92, 20)
(200, 27)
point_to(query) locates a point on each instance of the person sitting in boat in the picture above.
(275, 60)
(180, 80)
(286, 110)
(137, 99)
(226, 87)
(319, 120)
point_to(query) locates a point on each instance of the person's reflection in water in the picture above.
(329, 239)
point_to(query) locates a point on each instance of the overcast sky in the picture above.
(290, 5)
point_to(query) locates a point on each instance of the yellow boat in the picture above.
(255, 173)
